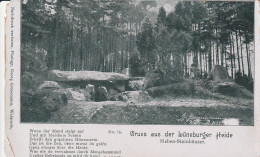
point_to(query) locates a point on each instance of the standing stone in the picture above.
(90, 92)
(102, 94)
(219, 74)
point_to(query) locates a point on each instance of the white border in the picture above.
(2, 71)
(244, 144)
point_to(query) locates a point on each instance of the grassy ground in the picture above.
(179, 111)
(182, 103)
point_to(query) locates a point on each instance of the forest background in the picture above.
(144, 36)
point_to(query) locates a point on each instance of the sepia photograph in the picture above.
(156, 62)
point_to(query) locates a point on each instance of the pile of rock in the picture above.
(64, 86)
(80, 94)
(86, 85)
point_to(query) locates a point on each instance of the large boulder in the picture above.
(64, 76)
(74, 94)
(232, 89)
(49, 84)
(77, 94)
(219, 74)
(131, 96)
(136, 84)
(126, 72)
(90, 90)
(115, 87)
(181, 88)
(119, 97)
(114, 82)
(52, 101)
(102, 94)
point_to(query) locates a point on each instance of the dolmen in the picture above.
(105, 83)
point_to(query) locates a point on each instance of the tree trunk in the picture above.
(231, 57)
(217, 50)
(200, 65)
(81, 50)
(221, 55)
(213, 53)
(225, 57)
(56, 45)
(242, 58)
(206, 62)
(248, 62)
(238, 56)
(185, 64)
(209, 58)
(217, 53)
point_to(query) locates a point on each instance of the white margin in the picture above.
(3, 6)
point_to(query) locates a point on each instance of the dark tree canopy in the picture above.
(104, 35)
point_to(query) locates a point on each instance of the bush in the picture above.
(205, 75)
(244, 80)
(136, 66)
(37, 106)
(30, 82)
(32, 109)
(155, 78)
(33, 66)
(238, 78)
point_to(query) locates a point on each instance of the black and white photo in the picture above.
(137, 62)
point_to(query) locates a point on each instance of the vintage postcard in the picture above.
(110, 78)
